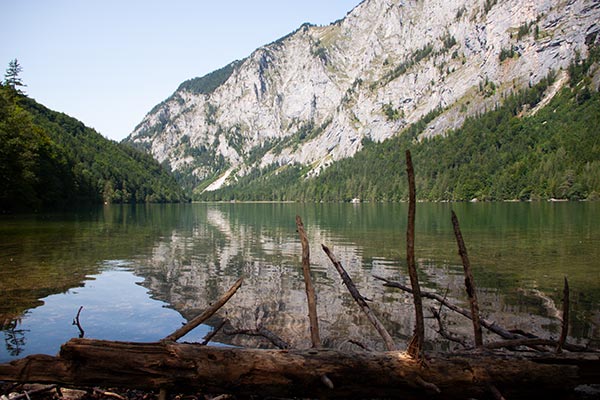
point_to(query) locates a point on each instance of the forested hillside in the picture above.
(49, 160)
(503, 154)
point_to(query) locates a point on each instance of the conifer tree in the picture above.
(11, 77)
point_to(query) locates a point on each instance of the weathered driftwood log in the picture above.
(298, 373)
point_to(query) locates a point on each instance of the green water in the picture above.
(179, 258)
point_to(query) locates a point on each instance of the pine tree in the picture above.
(11, 77)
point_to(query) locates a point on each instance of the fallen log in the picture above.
(299, 373)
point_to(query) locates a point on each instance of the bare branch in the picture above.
(76, 322)
(310, 290)
(212, 333)
(469, 282)
(415, 347)
(206, 314)
(387, 338)
(565, 318)
(261, 331)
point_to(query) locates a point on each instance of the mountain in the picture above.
(322, 94)
(49, 160)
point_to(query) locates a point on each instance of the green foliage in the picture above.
(391, 113)
(449, 41)
(524, 29)
(460, 12)
(507, 53)
(11, 77)
(487, 6)
(416, 57)
(319, 51)
(50, 160)
(209, 82)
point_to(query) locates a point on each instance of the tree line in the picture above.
(49, 160)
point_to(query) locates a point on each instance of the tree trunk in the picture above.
(304, 373)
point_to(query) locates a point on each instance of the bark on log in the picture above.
(291, 373)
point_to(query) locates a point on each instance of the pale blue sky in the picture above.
(108, 62)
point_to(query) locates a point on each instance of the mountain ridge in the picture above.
(312, 97)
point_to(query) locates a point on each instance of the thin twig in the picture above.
(28, 393)
(359, 344)
(444, 332)
(263, 332)
(206, 314)
(469, 282)
(415, 347)
(387, 338)
(565, 318)
(521, 342)
(212, 333)
(76, 322)
(310, 290)
(490, 325)
(109, 394)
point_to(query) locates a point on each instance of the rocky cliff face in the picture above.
(314, 95)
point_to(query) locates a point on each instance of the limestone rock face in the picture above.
(311, 97)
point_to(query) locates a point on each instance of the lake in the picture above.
(139, 272)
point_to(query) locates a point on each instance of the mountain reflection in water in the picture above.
(186, 256)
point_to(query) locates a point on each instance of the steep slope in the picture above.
(314, 96)
(50, 160)
(550, 151)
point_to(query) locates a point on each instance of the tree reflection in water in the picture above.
(14, 339)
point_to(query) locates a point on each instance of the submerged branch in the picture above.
(206, 314)
(360, 300)
(489, 325)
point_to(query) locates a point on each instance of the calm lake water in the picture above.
(141, 271)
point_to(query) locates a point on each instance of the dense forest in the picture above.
(49, 160)
(502, 154)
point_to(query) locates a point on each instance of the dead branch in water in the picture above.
(213, 333)
(444, 332)
(76, 322)
(565, 318)
(310, 290)
(492, 326)
(415, 346)
(469, 282)
(360, 300)
(260, 331)
(206, 314)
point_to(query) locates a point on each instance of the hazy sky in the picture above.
(108, 62)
